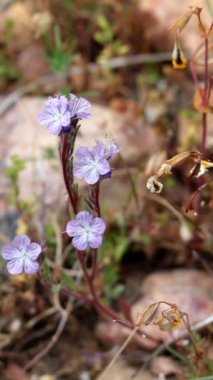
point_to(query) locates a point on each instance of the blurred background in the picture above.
(117, 54)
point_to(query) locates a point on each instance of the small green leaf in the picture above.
(110, 275)
(117, 291)
(46, 271)
(68, 281)
(49, 153)
(56, 288)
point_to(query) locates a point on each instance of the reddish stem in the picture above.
(204, 134)
(97, 194)
(195, 78)
(96, 302)
(205, 98)
(64, 159)
(94, 264)
(206, 73)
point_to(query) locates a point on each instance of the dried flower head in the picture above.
(170, 319)
(201, 168)
(165, 169)
(86, 231)
(153, 185)
(181, 22)
(21, 255)
(148, 315)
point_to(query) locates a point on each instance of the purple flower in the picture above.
(110, 149)
(56, 114)
(80, 108)
(21, 255)
(91, 165)
(86, 231)
(59, 112)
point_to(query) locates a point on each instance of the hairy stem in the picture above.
(205, 98)
(64, 155)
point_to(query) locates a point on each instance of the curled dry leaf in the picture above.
(181, 22)
(148, 315)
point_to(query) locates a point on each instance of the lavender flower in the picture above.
(86, 231)
(56, 114)
(80, 108)
(110, 150)
(59, 112)
(21, 255)
(91, 165)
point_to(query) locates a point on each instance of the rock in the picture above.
(164, 365)
(19, 17)
(189, 289)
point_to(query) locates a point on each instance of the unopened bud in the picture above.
(179, 61)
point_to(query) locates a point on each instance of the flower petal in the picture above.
(30, 266)
(98, 150)
(73, 228)
(80, 108)
(80, 242)
(80, 169)
(91, 176)
(15, 266)
(83, 154)
(110, 150)
(21, 242)
(10, 252)
(33, 251)
(54, 128)
(103, 167)
(98, 226)
(84, 218)
(94, 240)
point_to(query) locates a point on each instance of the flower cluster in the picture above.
(86, 231)
(21, 255)
(59, 112)
(91, 165)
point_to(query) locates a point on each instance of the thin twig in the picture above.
(64, 313)
(46, 313)
(131, 335)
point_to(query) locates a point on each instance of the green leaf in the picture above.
(46, 271)
(56, 288)
(49, 153)
(110, 275)
(50, 234)
(68, 281)
(117, 291)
